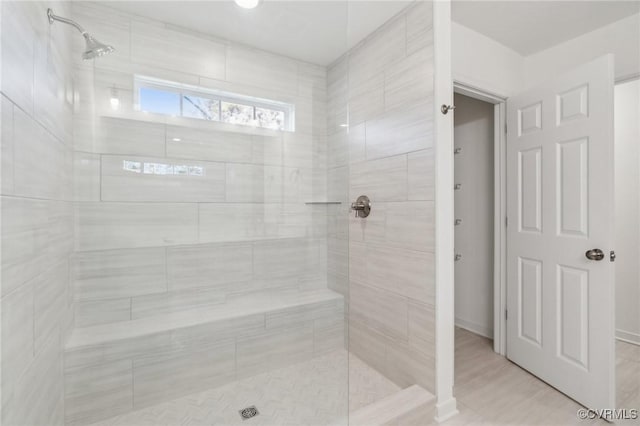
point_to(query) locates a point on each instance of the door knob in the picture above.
(594, 254)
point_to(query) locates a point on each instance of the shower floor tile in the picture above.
(312, 393)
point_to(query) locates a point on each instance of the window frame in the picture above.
(220, 96)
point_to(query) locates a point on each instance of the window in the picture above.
(181, 100)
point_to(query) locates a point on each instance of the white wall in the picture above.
(627, 160)
(473, 132)
(482, 62)
(621, 38)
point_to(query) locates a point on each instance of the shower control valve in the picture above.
(362, 206)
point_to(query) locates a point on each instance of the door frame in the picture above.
(499, 209)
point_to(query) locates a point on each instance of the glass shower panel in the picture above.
(211, 254)
(386, 82)
(177, 234)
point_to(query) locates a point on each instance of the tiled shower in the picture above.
(158, 267)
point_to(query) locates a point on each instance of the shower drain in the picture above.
(249, 412)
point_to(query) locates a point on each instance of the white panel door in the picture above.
(560, 304)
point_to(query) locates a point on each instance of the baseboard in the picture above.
(629, 337)
(446, 410)
(475, 328)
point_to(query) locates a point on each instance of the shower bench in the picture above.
(115, 368)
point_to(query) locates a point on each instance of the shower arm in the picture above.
(53, 18)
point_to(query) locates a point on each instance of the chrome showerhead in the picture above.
(94, 48)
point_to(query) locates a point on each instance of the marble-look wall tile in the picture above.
(405, 272)
(384, 47)
(367, 99)
(42, 163)
(287, 257)
(247, 183)
(274, 349)
(407, 366)
(228, 222)
(126, 136)
(38, 396)
(119, 273)
(17, 336)
(37, 215)
(118, 350)
(338, 148)
(312, 81)
(382, 180)
(6, 147)
(421, 171)
(268, 150)
(102, 311)
(163, 377)
(213, 334)
(209, 144)
(329, 334)
(389, 82)
(176, 301)
(302, 151)
(357, 143)
(98, 392)
(156, 45)
(338, 184)
(53, 81)
(25, 238)
(286, 317)
(161, 179)
(50, 301)
(262, 69)
(410, 80)
(420, 26)
(86, 176)
(102, 226)
(311, 116)
(60, 231)
(369, 346)
(408, 224)
(382, 310)
(18, 46)
(422, 327)
(208, 265)
(402, 130)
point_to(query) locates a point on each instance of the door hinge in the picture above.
(506, 221)
(506, 314)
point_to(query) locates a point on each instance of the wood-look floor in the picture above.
(491, 390)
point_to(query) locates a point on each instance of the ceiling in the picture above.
(316, 31)
(531, 26)
(320, 31)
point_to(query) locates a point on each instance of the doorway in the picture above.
(627, 95)
(627, 242)
(474, 194)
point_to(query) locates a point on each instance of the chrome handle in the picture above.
(594, 254)
(446, 108)
(362, 206)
